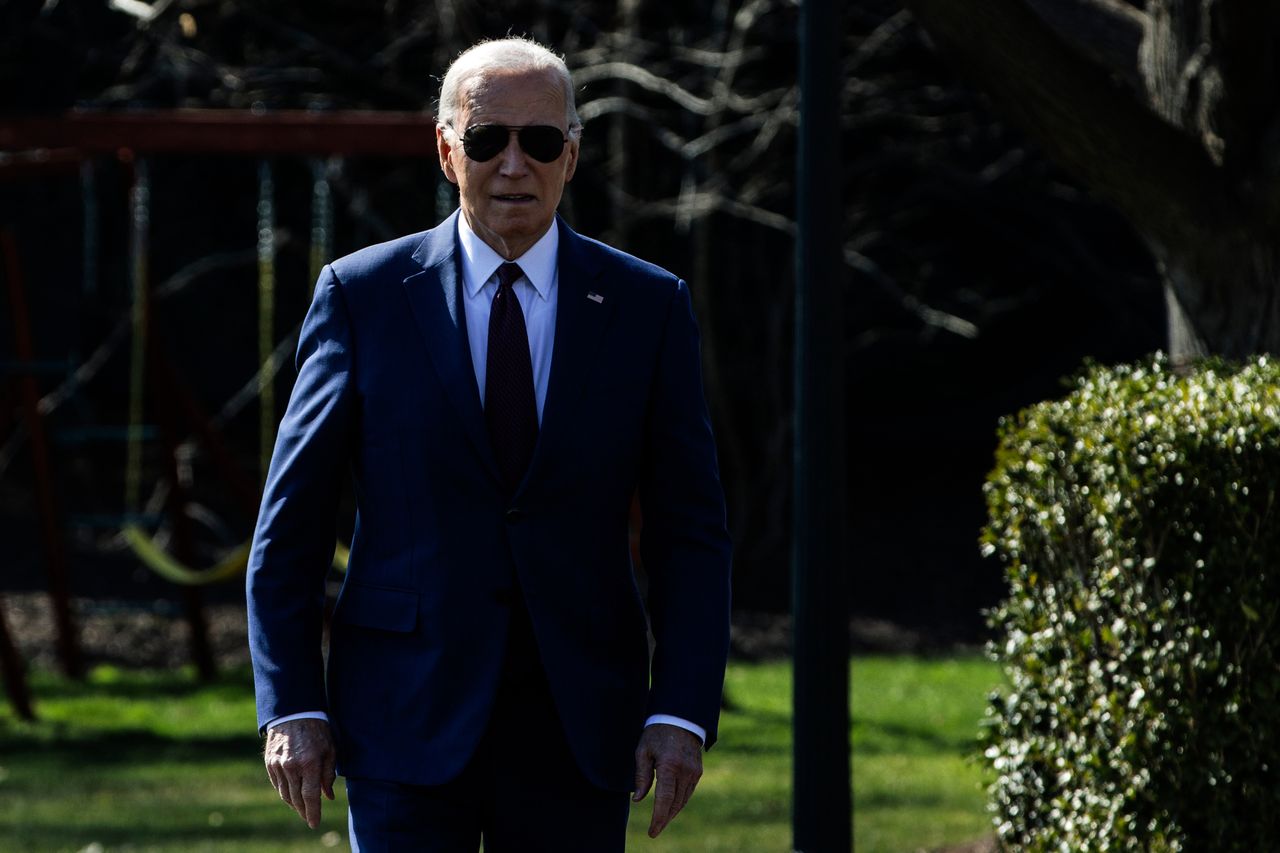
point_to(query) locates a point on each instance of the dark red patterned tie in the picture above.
(509, 405)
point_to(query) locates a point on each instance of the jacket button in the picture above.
(514, 515)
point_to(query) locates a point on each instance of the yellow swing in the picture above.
(143, 545)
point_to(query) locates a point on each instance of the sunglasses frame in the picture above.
(519, 131)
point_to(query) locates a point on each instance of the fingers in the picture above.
(295, 793)
(300, 757)
(674, 757)
(664, 803)
(301, 791)
(274, 776)
(673, 792)
(644, 773)
(327, 777)
(310, 811)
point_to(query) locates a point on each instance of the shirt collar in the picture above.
(480, 261)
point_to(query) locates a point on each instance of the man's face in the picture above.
(510, 200)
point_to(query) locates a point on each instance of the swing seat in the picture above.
(159, 561)
(140, 542)
(155, 558)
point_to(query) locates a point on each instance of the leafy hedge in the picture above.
(1137, 522)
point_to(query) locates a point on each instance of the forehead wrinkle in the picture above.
(481, 95)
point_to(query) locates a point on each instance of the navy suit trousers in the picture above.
(522, 791)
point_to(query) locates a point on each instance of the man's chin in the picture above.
(513, 233)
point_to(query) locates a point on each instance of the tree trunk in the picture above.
(1204, 69)
(1221, 299)
(1191, 158)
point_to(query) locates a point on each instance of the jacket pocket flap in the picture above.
(377, 607)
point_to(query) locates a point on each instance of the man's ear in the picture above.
(572, 165)
(444, 149)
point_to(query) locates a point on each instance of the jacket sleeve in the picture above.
(684, 541)
(294, 538)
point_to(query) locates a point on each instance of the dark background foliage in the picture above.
(977, 274)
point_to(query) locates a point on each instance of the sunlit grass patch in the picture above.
(157, 761)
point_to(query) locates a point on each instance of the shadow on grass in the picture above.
(750, 732)
(131, 746)
(270, 827)
(780, 719)
(898, 800)
(106, 682)
(716, 805)
(881, 738)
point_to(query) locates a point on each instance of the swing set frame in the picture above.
(33, 147)
(299, 133)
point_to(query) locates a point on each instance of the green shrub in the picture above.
(1137, 523)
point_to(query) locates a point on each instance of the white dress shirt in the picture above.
(536, 291)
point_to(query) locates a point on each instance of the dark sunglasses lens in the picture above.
(484, 141)
(542, 142)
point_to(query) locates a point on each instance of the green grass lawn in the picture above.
(157, 762)
(918, 783)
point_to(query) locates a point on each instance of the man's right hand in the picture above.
(300, 761)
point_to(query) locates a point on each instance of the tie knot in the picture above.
(508, 273)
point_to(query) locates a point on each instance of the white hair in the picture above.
(507, 54)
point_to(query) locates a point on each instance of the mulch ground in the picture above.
(155, 634)
(124, 633)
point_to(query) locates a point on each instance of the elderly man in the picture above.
(499, 388)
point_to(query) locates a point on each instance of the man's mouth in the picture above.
(514, 198)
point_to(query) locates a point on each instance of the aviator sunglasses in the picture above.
(542, 142)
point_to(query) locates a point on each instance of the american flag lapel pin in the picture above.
(595, 297)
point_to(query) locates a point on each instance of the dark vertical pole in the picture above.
(822, 810)
(147, 356)
(243, 488)
(183, 544)
(46, 498)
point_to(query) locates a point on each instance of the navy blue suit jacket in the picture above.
(386, 392)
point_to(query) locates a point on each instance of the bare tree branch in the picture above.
(1162, 180)
(144, 12)
(593, 110)
(627, 44)
(646, 79)
(357, 68)
(681, 96)
(712, 139)
(1108, 32)
(927, 314)
(416, 35)
(694, 202)
(687, 149)
(871, 46)
(786, 114)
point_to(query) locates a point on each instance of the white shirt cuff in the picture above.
(304, 715)
(669, 720)
(666, 719)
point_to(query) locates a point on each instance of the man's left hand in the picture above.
(299, 756)
(675, 755)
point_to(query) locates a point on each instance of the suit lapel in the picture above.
(435, 297)
(585, 302)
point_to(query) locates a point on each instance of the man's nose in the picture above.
(512, 157)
